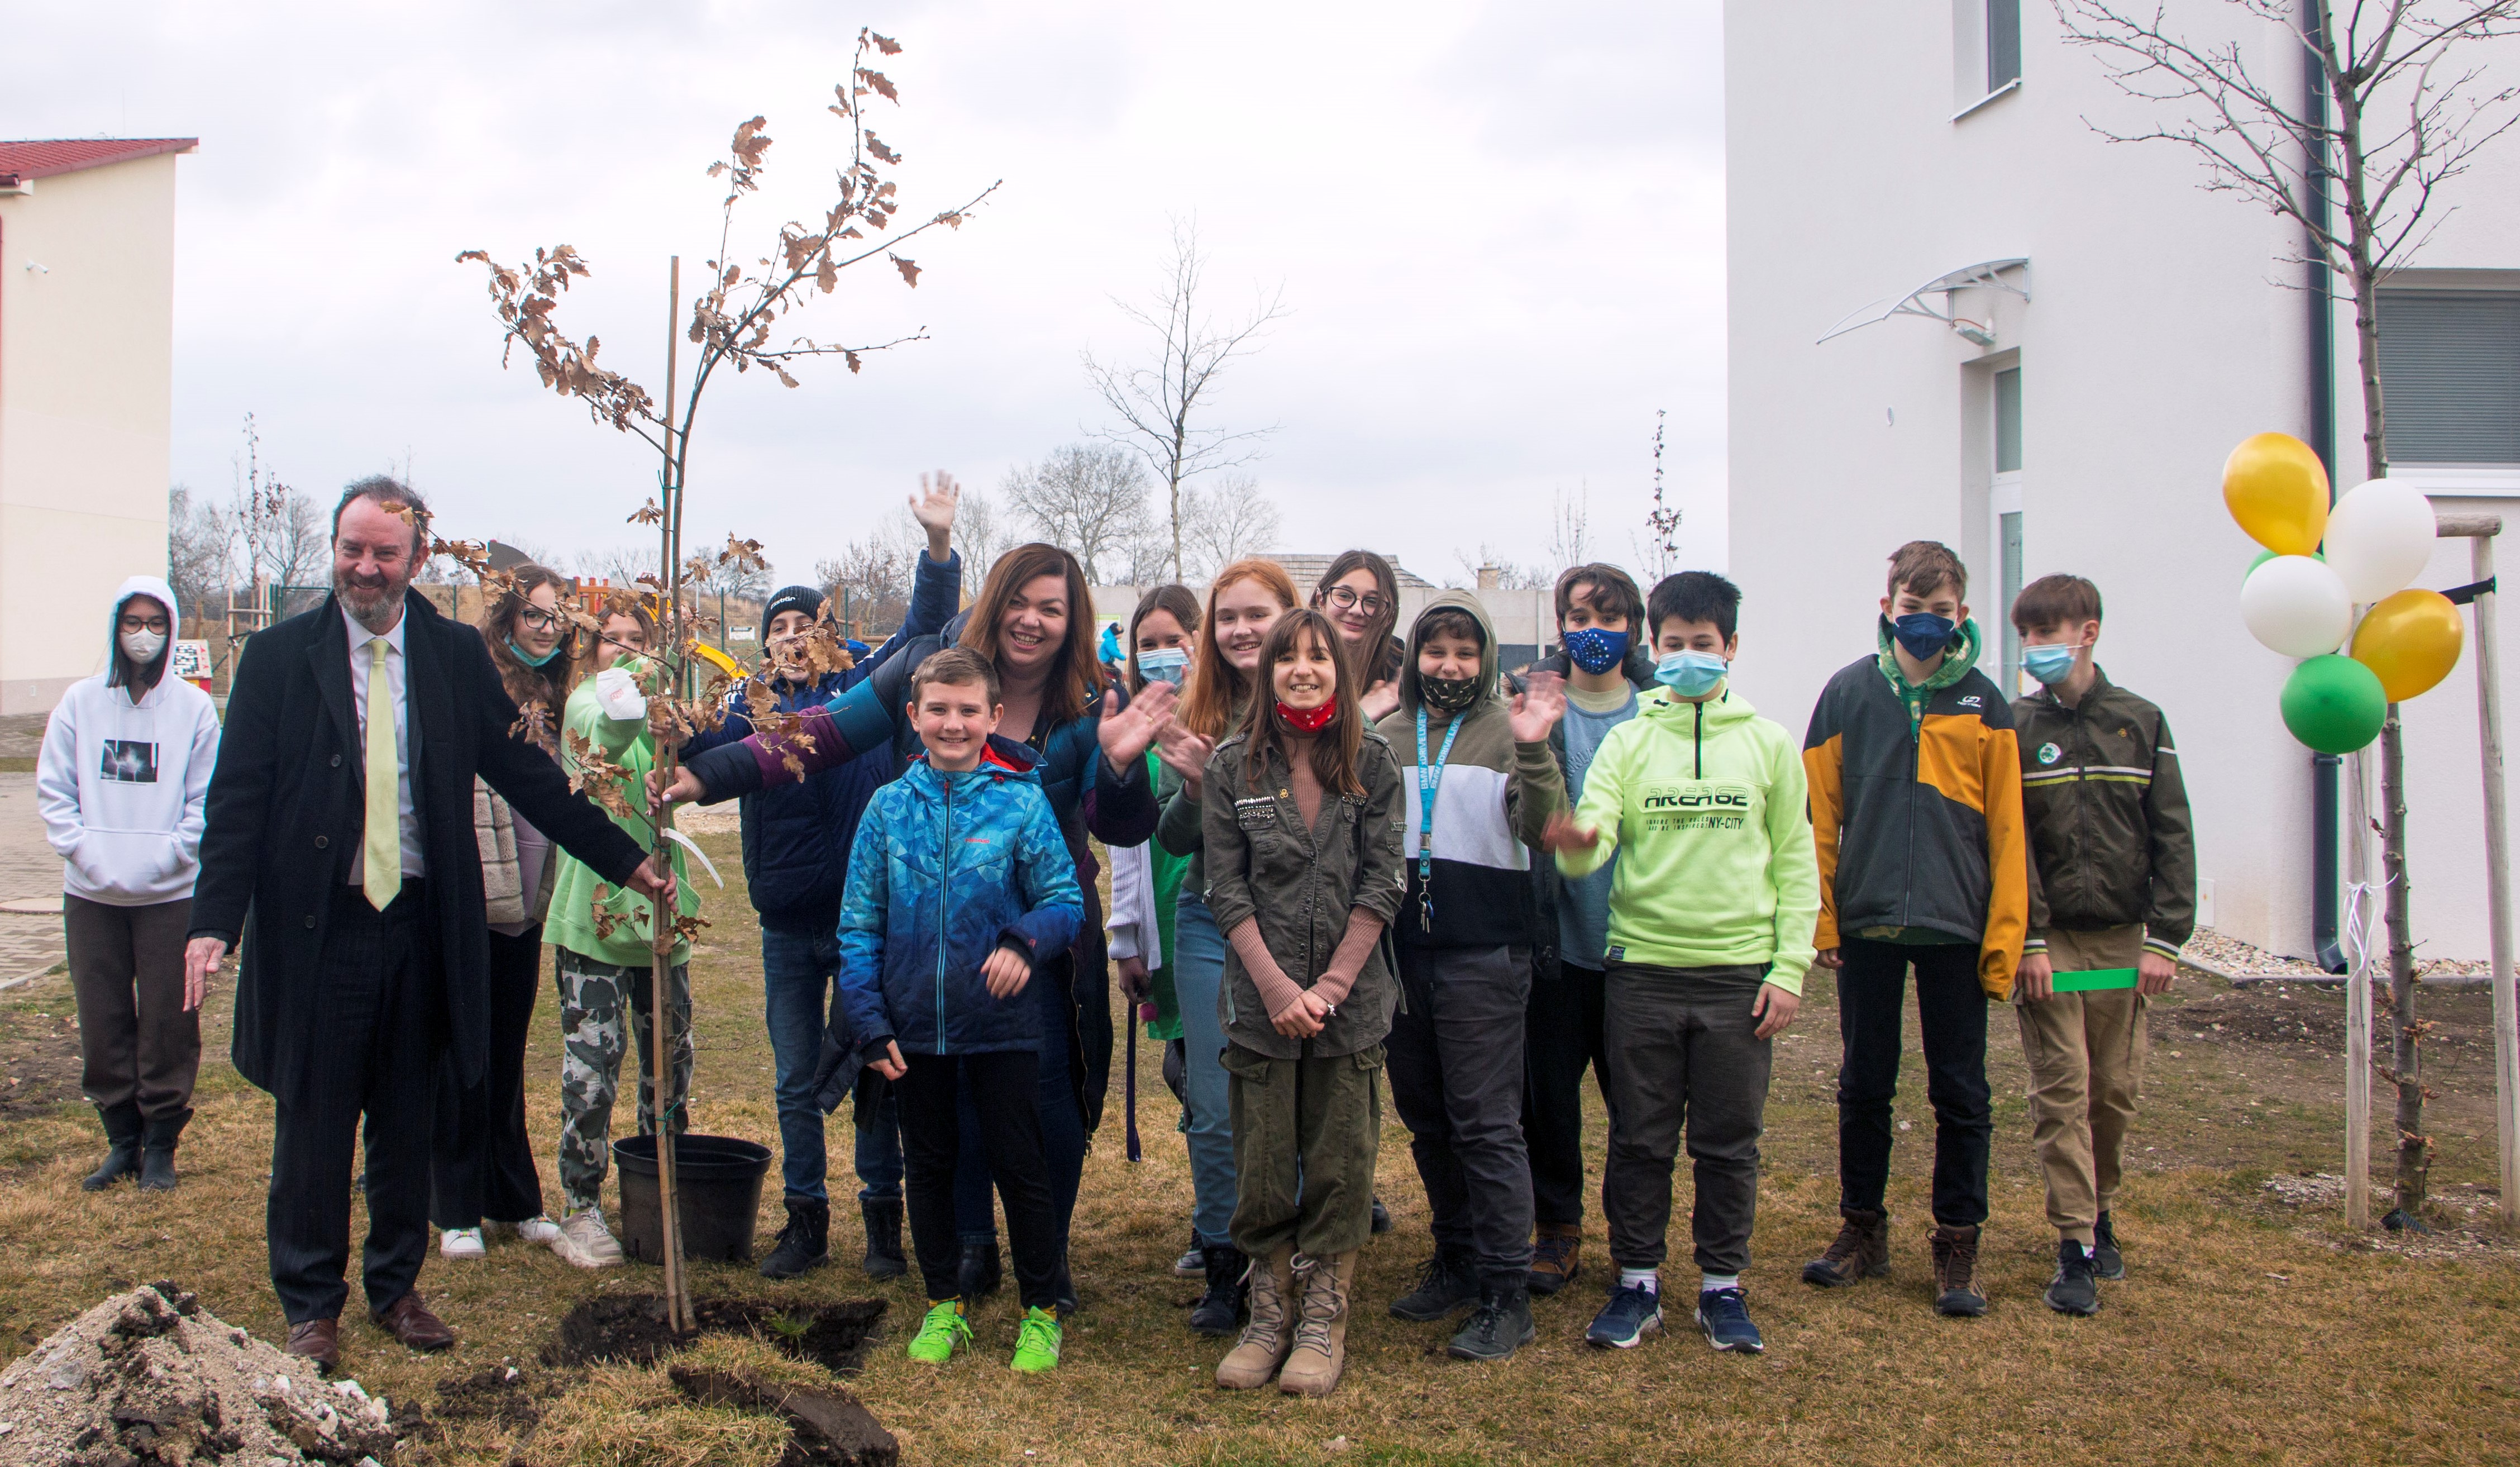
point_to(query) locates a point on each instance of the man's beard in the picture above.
(373, 603)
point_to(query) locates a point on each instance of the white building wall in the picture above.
(2157, 336)
(86, 352)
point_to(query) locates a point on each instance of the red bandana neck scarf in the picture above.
(1311, 721)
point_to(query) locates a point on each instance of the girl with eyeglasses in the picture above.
(1360, 593)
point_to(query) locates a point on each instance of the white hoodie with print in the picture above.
(124, 786)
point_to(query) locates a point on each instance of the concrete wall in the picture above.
(85, 378)
(2158, 334)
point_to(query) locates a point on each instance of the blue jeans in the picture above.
(1063, 1127)
(1199, 972)
(800, 979)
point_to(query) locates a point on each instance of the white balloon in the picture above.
(2296, 606)
(2379, 537)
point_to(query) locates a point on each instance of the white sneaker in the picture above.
(583, 1240)
(539, 1231)
(461, 1243)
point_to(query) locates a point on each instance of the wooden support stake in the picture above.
(2358, 996)
(2498, 860)
(660, 925)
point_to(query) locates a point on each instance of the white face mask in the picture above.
(143, 647)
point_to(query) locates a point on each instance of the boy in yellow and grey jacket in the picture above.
(1711, 916)
(1915, 798)
(2112, 891)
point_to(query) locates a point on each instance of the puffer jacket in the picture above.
(947, 868)
(2110, 840)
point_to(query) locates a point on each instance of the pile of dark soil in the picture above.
(631, 1329)
(149, 1377)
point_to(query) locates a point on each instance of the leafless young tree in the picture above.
(981, 533)
(1161, 407)
(1089, 497)
(869, 583)
(1224, 521)
(1571, 527)
(200, 551)
(2368, 110)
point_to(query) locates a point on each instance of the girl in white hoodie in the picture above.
(121, 783)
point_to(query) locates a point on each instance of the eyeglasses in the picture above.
(538, 618)
(145, 623)
(1345, 598)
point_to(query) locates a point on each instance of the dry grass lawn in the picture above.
(2251, 1329)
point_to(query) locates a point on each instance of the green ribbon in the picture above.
(2095, 979)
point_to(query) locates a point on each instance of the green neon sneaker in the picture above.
(1036, 1342)
(938, 1333)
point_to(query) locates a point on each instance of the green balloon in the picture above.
(2264, 556)
(2334, 704)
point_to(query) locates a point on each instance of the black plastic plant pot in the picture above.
(717, 1195)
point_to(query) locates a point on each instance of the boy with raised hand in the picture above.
(2113, 889)
(1916, 804)
(1709, 934)
(1604, 659)
(960, 885)
(1479, 786)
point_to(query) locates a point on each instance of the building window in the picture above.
(2004, 501)
(2449, 364)
(2002, 42)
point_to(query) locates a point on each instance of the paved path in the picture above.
(29, 871)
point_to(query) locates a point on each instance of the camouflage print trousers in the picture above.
(600, 1005)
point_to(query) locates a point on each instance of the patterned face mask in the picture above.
(1448, 695)
(1596, 651)
(1311, 721)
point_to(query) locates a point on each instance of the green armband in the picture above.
(2095, 979)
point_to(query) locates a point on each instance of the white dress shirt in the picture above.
(414, 864)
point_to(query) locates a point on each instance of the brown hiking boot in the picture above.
(1321, 1289)
(1554, 1261)
(1270, 1333)
(1955, 1291)
(1861, 1251)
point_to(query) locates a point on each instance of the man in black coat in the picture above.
(341, 845)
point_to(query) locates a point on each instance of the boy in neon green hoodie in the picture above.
(1711, 919)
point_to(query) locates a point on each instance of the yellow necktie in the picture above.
(385, 809)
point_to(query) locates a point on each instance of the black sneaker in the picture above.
(1381, 1218)
(1219, 1310)
(2074, 1289)
(2106, 1260)
(1446, 1282)
(883, 1256)
(803, 1244)
(1725, 1315)
(1500, 1325)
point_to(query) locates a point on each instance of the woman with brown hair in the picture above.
(1034, 621)
(1360, 593)
(481, 1163)
(1246, 598)
(1302, 827)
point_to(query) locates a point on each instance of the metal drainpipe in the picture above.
(2326, 769)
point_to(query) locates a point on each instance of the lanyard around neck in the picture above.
(1430, 779)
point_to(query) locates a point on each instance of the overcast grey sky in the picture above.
(1499, 230)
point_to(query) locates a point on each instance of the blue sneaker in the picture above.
(1725, 1315)
(1631, 1313)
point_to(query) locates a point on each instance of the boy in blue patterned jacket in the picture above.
(960, 885)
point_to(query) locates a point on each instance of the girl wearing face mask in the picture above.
(122, 784)
(1360, 593)
(1247, 599)
(1145, 879)
(604, 961)
(483, 1164)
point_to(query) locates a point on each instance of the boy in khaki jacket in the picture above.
(2113, 889)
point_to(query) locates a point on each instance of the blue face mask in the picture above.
(1163, 664)
(2049, 665)
(1690, 674)
(1924, 634)
(1594, 650)
(527, 658)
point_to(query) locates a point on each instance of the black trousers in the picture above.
(483, 1164)
(1562, 1033)
(1686, 1052)
(383, 1031)
(1006, 1092)
(138, 1044)
(1455, 1061)
(1951, 1010)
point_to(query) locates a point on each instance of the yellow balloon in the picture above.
(2275, 487)
(2411, 641)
